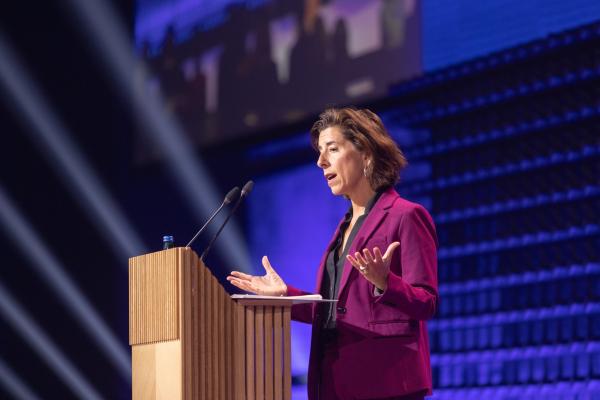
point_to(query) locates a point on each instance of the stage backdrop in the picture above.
(227, 69)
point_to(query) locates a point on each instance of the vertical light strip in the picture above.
(14, 385)
(110, 40)
(33, 334)
(72, 168)
(24, 237)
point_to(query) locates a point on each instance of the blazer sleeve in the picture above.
(301, 312)
(412, 286)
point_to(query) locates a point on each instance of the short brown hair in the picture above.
(365, 130)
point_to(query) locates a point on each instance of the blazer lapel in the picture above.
(372, 222)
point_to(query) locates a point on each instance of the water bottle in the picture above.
(168, 242)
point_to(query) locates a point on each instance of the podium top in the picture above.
(253, 299)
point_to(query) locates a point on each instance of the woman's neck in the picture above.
(360, 200)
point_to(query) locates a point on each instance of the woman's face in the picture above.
(342, 163)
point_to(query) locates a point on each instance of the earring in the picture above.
(366, 169)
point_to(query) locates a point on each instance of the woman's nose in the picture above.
(321, 161)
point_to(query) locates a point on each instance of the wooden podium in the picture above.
(190, 340)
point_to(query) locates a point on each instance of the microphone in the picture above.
(245, 190)
(231, 196)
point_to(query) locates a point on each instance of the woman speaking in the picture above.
(381, 266)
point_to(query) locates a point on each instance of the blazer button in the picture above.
(341, 310)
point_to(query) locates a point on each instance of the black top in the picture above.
(335, 265)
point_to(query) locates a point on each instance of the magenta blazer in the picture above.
(383, 347)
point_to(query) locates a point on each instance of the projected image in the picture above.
(230, 68)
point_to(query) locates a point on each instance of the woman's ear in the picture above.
(366, 158)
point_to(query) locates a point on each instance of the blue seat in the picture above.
(500, 393)
(474, 393)
(510, 204)
(549, 392)
(495, 297)
(536, 292)
(525, 365)
(581, 328)
(550, 291)
(573, 194)
(538, 367)
(510, 367)
(457, 329)
(460, 394)
(564, 391)
(483, 209)
(528, 238)
(510, 330)
(457, 304)
(470, 297)
(557, 157)
(552, 363)
(537, 327)
(471, 369)
(593, 350)
(529, 280)
(527, 202)
(516, 392)
(523, 330)
(573, 155)
(458, 370)
(552, 328)
(445, 306)
(488, 393)
(580, 283)
(468, 176)
(530, 392)
(578, 388)
(565, 288)
(590, 190)
(593, 312)
(433, 337)
(484, 368)
(484, 332)
(592, 391)
(444, 335)
(483, 296)
(568, 363)
(541, 199)
(566, 327)
(591, 229)
(470, 333)
(560, 235)
(582, 361)
(445, 371)
(456, 214)
(592, 271)
(496, 364)
(498, 330)
(511, 293)
(435, 370)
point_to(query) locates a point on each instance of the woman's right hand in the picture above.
(269, 284)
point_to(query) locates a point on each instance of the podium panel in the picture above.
(190, 340)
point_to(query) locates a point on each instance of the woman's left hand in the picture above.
(373, 266)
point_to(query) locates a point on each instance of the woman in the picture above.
(381, 266)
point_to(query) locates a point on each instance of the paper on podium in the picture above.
(307, 298)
